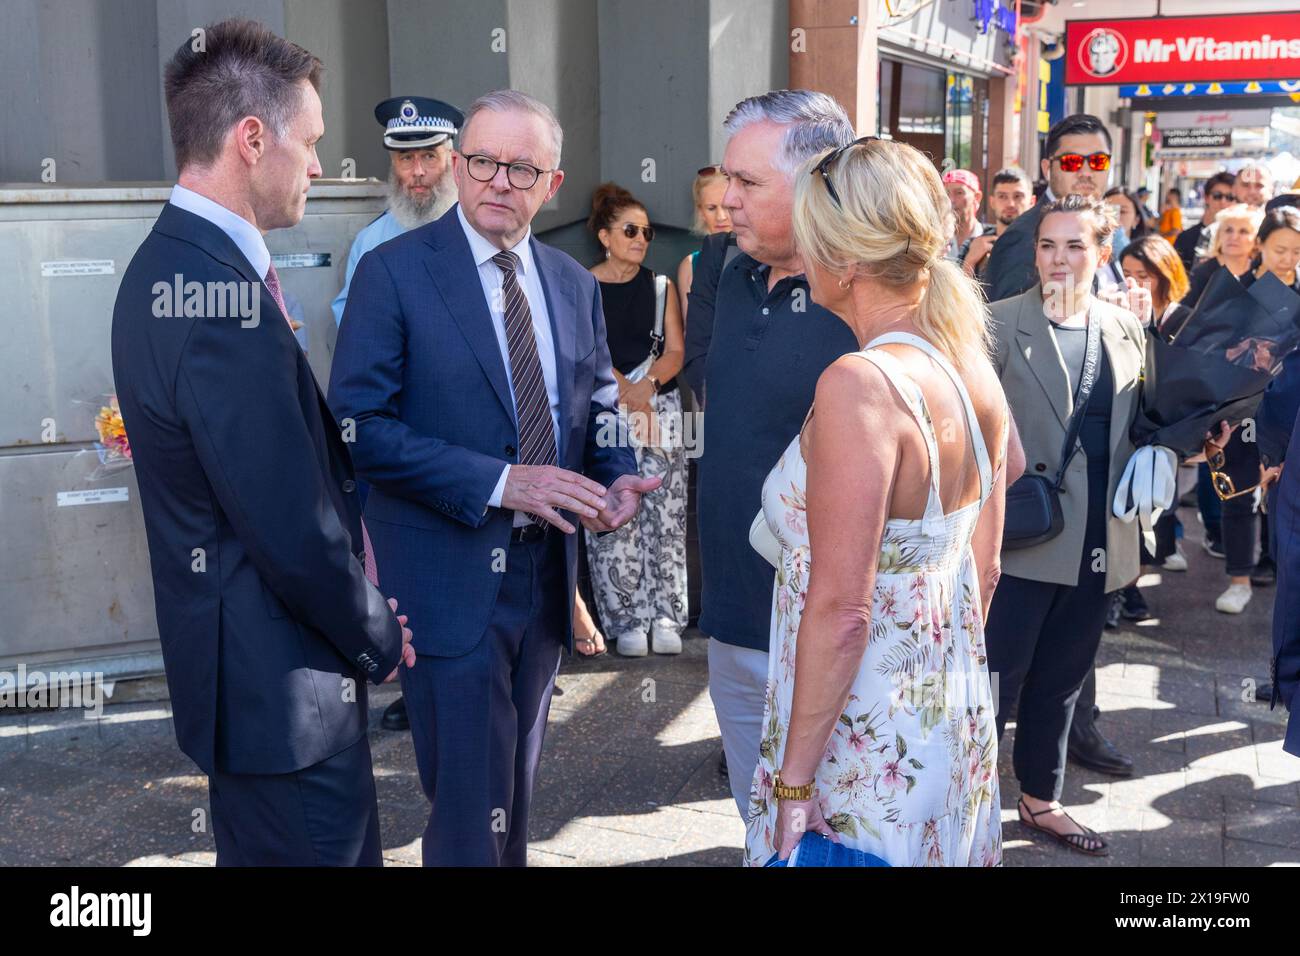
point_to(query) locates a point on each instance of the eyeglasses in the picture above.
(520, 175)
(824, 167)
(1073, 162)
(630, 229)
(1221, 197)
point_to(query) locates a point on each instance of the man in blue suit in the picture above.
(472, 373)
(269, 627)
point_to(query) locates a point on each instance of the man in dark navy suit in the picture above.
(471, 363)
(269, 627)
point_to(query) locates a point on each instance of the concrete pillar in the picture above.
(833, 49)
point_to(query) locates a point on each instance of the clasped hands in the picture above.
(544, 490)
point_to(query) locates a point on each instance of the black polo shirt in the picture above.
(753, 357)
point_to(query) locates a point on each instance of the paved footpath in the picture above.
(629, 775)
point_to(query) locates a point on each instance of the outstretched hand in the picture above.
(621, 503)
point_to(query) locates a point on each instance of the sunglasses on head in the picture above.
(1073, 162)
(630, 229)
(824, 167)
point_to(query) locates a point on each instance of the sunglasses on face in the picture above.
(1073, 162)
(1221, 197)
(824, 167)
(630, 229)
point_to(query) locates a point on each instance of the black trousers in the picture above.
(1241, 526)
(1042, 642)
(322, 815)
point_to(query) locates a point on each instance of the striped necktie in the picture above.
(272, 281)
(532, 404)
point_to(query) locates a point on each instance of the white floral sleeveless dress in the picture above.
(910, 772)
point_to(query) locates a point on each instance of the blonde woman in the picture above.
(879, 729)
(711, 216)
(1233, 246)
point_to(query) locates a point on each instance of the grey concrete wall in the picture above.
(351, 38)
(79, 87)
(444, 48)
(654, 79)
(749, 53)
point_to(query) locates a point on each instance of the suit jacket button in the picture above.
(349, 485)
(510, 449)
(1040, 467)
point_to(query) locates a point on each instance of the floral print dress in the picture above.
(910, 771)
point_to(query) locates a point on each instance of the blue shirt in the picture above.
(754, 358)
(380, 231)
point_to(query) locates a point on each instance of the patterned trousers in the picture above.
(638, 572)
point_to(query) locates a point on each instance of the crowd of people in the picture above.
(846, 301)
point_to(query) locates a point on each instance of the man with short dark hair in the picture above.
(269, 626)
(1013, 193)
(1076, 161)
(1218, 195)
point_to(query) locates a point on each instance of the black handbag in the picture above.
(1033, 512)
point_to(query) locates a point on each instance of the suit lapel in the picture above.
(184, 225)
(561, 307)
(1042, 355)
(452, 269)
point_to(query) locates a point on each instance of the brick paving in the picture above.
(629, 774)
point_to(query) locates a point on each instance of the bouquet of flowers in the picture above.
(113, 447)
(1218, 365)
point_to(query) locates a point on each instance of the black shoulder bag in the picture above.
(1033, 512)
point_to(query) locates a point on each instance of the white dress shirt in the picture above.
(489, 274)
(241, 232)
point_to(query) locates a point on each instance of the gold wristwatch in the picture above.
(785, 792)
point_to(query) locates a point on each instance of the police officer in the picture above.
(418, 134)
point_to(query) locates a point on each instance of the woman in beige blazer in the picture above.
(1047, 615)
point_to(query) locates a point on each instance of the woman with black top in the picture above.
(1046, 617)
(1278, 243)
(639, 572)
(1233, 246)
(1154, 264)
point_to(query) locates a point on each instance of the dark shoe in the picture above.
(1263, 693)
(1112, 613)
(1088, 748)
(1265, 573)
(1089, 841)
(395, 716)
(1133, 606)
(722, 764)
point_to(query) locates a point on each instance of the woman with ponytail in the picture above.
(886, 510)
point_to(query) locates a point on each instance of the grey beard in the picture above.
(411, 212)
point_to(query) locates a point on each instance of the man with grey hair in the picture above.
(755, 346)
(472, 362)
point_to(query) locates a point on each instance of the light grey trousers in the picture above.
(738, 686)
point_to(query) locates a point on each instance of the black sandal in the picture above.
(1075, 841)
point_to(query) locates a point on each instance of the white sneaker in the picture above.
(1233, 600)
(632, 645)
(664, 640)
(1176, 561)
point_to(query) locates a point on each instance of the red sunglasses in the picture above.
(1073, 162)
